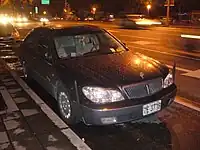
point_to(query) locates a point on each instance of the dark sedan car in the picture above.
(94, 77)
(8, 35)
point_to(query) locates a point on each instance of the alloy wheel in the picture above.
(65, 106)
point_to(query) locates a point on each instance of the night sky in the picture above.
(115, 6)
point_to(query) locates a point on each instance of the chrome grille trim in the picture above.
(143, 89)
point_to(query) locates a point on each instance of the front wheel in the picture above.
(66, 109)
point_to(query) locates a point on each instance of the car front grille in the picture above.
(143, 89)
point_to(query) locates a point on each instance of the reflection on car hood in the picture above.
(117, 69)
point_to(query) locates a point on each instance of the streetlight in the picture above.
(148, 8)
(94, 9)
(44, 12)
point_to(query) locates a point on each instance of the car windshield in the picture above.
(6, 29)
(96, 43)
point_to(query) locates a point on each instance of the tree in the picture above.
(138, 5)
(4, 2)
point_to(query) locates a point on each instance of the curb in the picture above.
(64, 128)
(187, 103)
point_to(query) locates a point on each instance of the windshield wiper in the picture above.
(96, 53)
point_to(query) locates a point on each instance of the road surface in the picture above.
(177, 127)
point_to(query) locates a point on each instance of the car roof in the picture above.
(71, 30)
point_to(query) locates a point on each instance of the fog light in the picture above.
(109, 120)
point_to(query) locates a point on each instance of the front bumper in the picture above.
(105, 116)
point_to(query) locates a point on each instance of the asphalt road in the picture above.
(162, 43)
(177, 127)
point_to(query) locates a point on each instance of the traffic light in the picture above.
(45, 2)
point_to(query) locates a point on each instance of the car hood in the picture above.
(116, 69)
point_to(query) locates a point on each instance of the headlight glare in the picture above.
(102, 95)
(168, 80)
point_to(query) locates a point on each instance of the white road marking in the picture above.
(190, 104)
(114, 31)
(189, 73)
(194, 74)
(147, 49)
(146, 31)
(8, 100)
(180, 69)
(142, 42)
(190, 36)
(140, 37)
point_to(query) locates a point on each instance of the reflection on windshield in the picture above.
(80, 45)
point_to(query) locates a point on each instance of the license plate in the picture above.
(151, 107)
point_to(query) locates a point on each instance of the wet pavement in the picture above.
(175, 128)
(24, 126)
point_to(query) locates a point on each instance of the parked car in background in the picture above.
(136, 20)
(94, 77)
(8, 34)
(89, 18)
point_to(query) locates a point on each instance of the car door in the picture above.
(27, 52)
(45, 70)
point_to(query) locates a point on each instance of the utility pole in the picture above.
(168, 11)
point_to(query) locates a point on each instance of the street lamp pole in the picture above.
(168, 11)
(148, 8)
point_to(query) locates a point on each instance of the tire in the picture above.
(66, 108)
(25, 72)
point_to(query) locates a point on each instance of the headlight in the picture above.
(168, 80)
(102, 95)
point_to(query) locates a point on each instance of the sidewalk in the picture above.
(28, 123)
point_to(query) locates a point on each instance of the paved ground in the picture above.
(24, 125)
(162, 43)
(176, 127)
